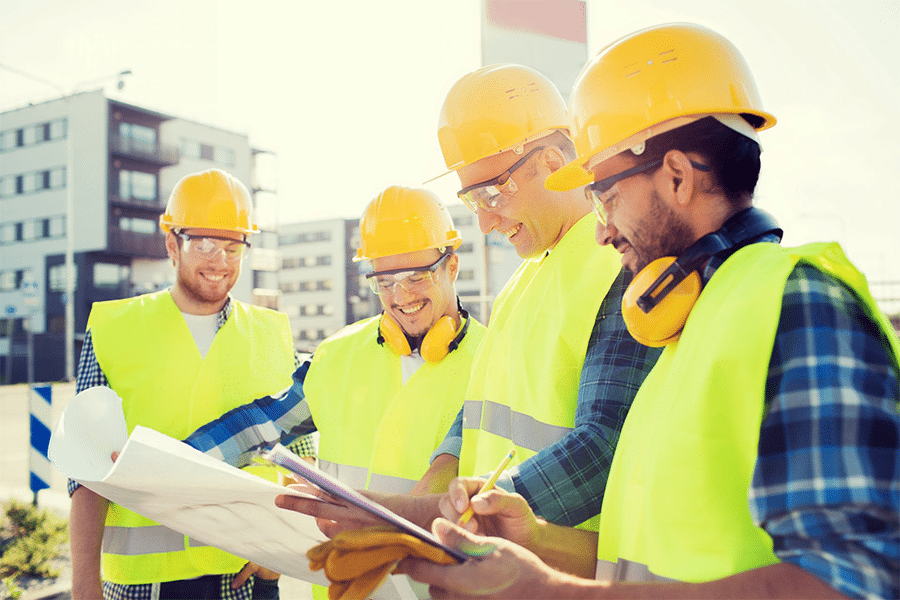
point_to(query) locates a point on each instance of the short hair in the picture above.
(733, 158)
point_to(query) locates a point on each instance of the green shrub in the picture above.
(30, 539)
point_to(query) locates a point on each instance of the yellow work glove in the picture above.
(357, 561)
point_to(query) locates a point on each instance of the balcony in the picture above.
(161, 155)
(157, 204)
(133, 243)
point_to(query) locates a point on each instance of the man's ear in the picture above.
(172, 246)
(453, 266)
(681, 181)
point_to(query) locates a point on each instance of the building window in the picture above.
(190, 149)
(465, 247)
(138, 137)
(110, 275)
(466, 274)
(57, 276)
(224, 156)
(138, 225)
(137, 184)
(206, 152)
(324, 260)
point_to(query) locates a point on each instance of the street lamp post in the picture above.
(69, 293)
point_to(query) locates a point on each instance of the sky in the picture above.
(347, 93)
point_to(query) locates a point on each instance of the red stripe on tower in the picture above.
(563, 19)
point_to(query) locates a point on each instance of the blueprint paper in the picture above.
(179, 487)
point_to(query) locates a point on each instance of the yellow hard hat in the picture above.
(210, 199)
(632, 87)
(402, 220)
(497, 108)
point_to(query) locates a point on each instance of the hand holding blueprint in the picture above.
(180, 487)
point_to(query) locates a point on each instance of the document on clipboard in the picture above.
(283, 457)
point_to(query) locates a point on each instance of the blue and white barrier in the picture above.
(41, 409)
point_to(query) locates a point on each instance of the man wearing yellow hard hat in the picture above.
(178, 358)
(557, 370)
(382, 392)
(761, 456)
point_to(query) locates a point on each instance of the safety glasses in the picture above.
(493, 194)
(411, 280)
(602, 193)
(209, 246)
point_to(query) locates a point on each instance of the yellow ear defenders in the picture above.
(441, 339)
(659, 299)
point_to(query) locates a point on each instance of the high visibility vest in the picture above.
(676, 504)
(149, 356)
(376, 432)
(524, 388)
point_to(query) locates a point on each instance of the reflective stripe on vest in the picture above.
(528, 368)
(523, 430)
(677, 496)
(377, 432)
(134, 541)
(251, 356)
(626, 571)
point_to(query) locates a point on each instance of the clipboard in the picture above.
(283, 457)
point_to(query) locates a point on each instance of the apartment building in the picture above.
(120, 162)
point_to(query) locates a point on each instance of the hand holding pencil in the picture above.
(487, 486)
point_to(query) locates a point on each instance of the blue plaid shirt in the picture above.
(827, 482)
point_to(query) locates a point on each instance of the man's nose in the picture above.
(606, 233)
(487, 220)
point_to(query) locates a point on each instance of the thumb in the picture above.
(456, 537)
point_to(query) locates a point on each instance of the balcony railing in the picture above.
(133, 243)
(154, 203)
(156, 153)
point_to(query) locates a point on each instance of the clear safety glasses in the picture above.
(411, 280)
(209, 246)
(602, 193)
(493, 194)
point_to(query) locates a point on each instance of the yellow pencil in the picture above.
(488, 485)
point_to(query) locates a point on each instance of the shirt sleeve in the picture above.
(564, 483)
(452, 443)
(235, 436)
(89, 375)
(826, 486)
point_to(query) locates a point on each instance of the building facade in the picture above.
(120, 163)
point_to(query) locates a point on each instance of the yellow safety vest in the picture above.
(524, 387)
(676, 504)
(376, 432)
(149, 356)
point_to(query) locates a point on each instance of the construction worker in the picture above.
(557, 370)
(178, 358)
(760, 458)
(382, 392)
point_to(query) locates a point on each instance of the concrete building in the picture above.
(323, 289)
(121, 162)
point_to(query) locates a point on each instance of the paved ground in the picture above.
(14, 477)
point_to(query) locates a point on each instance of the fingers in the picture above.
(461, 539)
(243, 575)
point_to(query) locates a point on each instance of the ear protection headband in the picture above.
(441, 339)
(659, 299)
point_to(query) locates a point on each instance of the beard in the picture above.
(192, 285)
(663, 233)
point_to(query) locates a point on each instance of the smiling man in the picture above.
(558, 370)
(178, 358)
